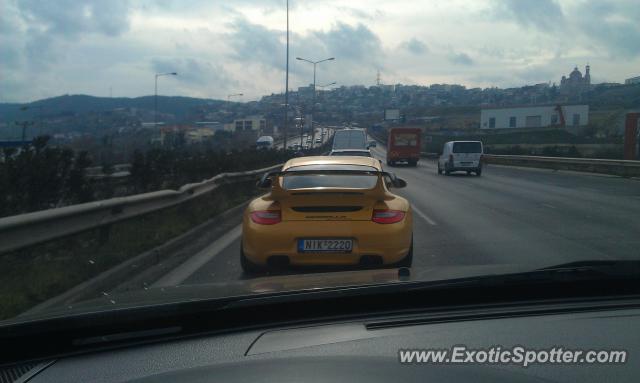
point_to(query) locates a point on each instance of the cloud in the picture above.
(544, 15)
(612, 26)
(461, 59)
(254, 43)
(70, 18)
(415, 46)
(368, 15)
(194, 71)
(45, 28)
(351, 42)
(87, 46)
(355, 48)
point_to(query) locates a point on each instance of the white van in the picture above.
(350, 139)
(461, 156)
(264, 142)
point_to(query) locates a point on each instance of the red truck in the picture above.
(404, 144)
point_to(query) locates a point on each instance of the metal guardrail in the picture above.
(624, 168)
(32, 228)
(97, 170)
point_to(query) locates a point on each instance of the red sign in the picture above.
(631, 136)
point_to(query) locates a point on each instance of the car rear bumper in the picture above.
(465, 166)
(400, 159)
(389, 243)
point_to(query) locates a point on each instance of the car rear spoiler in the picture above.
(267, 178)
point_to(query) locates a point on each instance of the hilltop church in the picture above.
(576, 84)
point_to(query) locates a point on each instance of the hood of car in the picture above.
(273, 284)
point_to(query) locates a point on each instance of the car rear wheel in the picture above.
(249, 267)
(408, 259)
(413, 163)
(439, 168)
(479, 172)
(447, 169)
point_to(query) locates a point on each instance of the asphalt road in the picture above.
(508, 215)
(296, 139)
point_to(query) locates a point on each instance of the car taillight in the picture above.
(387, 216)
(266, 217)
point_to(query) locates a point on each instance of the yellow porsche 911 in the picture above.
(328, 211)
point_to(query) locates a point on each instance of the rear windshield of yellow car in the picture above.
(291, 180)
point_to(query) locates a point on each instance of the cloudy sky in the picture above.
(218, 47)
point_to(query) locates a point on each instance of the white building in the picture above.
(199, 135)
(534, 116)
(632, 80)
(252, 123)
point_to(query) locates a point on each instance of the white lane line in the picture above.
(190, 266)
(424, 216)
(548, 205)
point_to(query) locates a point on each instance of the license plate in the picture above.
(327, 245)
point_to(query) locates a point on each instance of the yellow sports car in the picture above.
(323, 211)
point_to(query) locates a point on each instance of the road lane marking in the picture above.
(424, 216)
(191, 265)
(548, 205)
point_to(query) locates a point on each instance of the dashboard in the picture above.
(366, 350)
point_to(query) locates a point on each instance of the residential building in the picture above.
(632, 80)
(199, 135)
(534, 116)
(251, 123)
(214, 125)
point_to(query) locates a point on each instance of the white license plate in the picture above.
(326, 245)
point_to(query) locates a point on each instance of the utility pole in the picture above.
(286, 85)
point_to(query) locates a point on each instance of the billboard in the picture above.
(391, 114)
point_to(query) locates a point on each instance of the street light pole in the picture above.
(286, 85)
(155, 98)
(313, 106)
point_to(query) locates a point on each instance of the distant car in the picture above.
(328, 211)
(351, 152)
(264, 142)
(373, 144)
(461, 156)
(318, 140)
(349, 139)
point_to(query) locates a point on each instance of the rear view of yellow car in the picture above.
(328, 211)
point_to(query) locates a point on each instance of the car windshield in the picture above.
(467, 147)
(159, 152)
